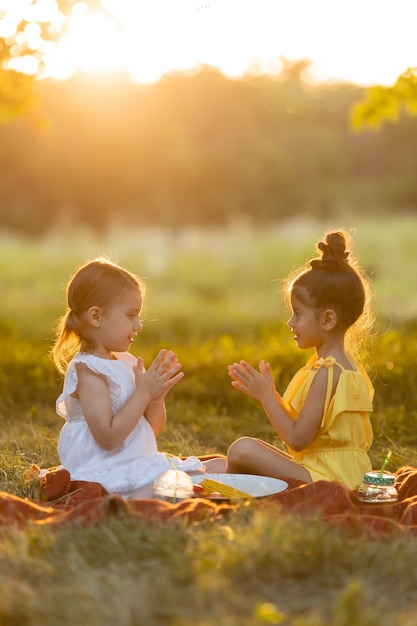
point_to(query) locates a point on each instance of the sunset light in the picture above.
(95, 43)
(360, 41)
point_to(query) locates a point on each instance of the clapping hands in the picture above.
(257, 384)
(161, 376)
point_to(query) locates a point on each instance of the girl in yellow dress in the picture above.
(323, 417)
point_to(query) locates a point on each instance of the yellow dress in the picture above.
(339, 452)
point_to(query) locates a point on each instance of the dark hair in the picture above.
(97, 283)
(335, 281)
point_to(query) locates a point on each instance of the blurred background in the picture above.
(208, 145)
(202, 149)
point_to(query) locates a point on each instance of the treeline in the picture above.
(198, 149)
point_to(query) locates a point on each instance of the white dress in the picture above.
(133, 464)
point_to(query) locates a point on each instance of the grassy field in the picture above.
(213, 297)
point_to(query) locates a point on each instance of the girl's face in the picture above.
(118, 324)
(305, 322)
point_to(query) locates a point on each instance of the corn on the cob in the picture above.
(211, 485)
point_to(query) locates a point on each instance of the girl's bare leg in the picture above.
(217, 465)
(253, 456)
(269, 445)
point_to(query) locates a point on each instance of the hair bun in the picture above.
(334, 255)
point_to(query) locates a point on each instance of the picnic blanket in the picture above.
(59, 500)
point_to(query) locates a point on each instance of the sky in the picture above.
(359, 41)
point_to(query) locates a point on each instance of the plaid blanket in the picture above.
(59, 500)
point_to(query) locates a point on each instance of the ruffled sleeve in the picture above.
(353, 394)
(119, 389)
(328, 363)
(354, 391)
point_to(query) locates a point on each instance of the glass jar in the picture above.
(173, 486)
(378, 488)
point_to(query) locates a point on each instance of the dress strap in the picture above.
(328, 363)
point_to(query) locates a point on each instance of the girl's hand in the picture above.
(161, 376)
(257, 384)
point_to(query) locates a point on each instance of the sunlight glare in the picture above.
(160, 37)
(94, 43)
(360, 42)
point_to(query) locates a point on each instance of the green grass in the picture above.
(214, 298)
(127, 573)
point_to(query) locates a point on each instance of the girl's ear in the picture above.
(94, 316)
(329, 319)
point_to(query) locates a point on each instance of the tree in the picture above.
(386, 103)
(27, 32)
(29, 28)
(16, 94)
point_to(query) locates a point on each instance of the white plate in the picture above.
(255, 486)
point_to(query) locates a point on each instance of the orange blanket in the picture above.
(58, 500)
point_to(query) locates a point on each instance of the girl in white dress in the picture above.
(114, 409)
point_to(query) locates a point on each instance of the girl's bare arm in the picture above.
(297, 434)
(109, 430)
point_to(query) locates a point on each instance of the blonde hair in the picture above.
(97, 283)
(336, 280)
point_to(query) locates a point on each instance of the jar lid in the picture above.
(375, 479)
